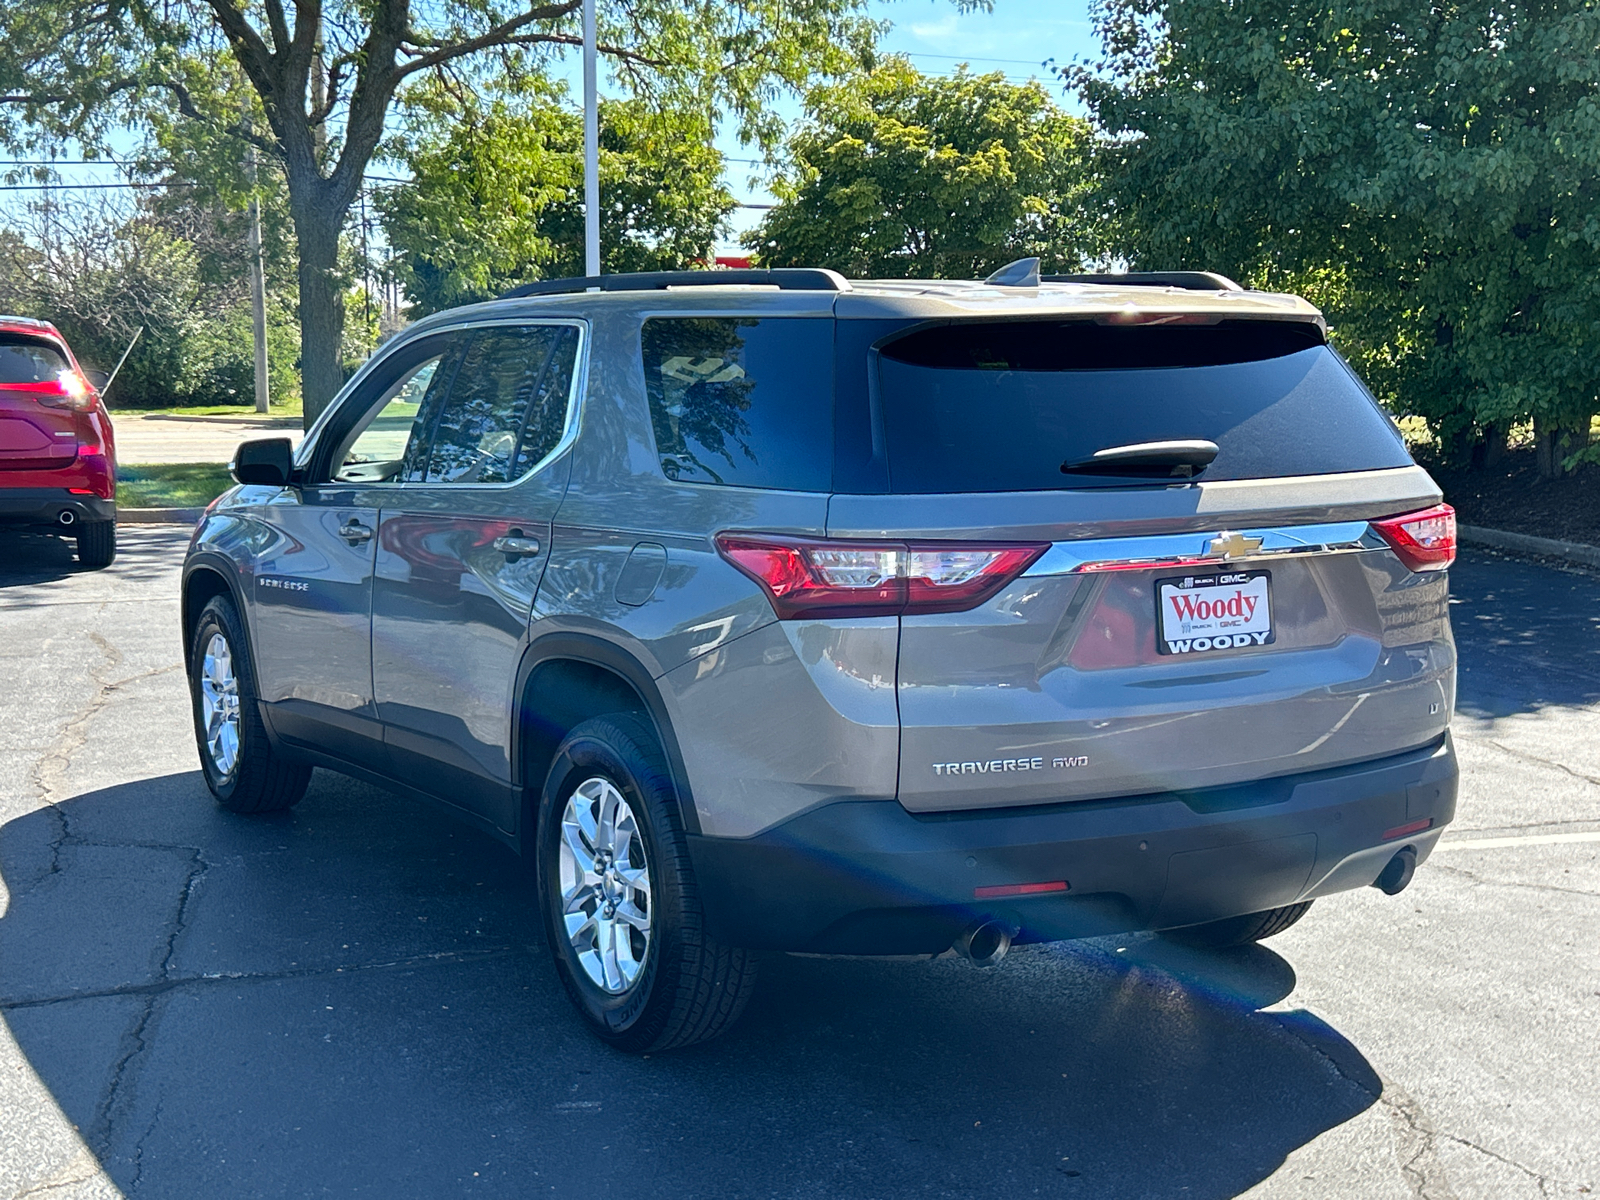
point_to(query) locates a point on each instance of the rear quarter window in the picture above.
(741, 401)
(999, 406)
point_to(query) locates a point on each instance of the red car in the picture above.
(58, 464)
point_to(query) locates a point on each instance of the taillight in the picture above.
(69, 390)
(1424, 541)
(811, 578)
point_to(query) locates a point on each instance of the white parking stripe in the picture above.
(1549, 839)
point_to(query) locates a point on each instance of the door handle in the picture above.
(516, 546)
(353, 531)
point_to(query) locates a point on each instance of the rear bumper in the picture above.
(868, 877)
(41, 508)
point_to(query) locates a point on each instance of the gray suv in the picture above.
(768, 611)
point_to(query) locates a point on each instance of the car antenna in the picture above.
(110, 378)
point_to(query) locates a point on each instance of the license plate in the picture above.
(1196, 614)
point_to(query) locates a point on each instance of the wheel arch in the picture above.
(203, 581)
(565, 679)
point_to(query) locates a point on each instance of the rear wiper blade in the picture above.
(1181, 459)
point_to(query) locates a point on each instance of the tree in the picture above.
(1430, 174)
(896, 174)
(497, 190)
(322, 78)
(162, 267)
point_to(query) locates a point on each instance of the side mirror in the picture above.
(266, 461)
(98, 380)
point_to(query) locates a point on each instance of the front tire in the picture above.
(1238, 931)
(241, 768)
(97, 544)
(622, 912)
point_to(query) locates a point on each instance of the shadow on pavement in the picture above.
(1528, 636)
(143, 552)
(350, 1000)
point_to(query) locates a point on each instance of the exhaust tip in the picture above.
(984, 944)
(1396, 876)
(67, 516)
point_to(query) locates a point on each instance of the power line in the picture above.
(1022, 62)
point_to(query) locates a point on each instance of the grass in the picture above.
(291, 407)
(171, 485)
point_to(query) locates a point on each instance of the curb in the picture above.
(1500, 539)
(159, 516)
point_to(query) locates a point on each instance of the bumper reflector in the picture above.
(1019, 889)
(1406, 830)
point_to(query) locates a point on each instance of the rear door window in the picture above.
(24, 360)
(999, 406)
(742, 401)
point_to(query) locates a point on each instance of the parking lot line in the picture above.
(1545, 839)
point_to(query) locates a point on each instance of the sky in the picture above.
(1015, 38)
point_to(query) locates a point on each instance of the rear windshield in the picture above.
(24, 360)
(741, 401)
(999, 406)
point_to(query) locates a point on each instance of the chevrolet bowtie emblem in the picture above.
(1233, 545)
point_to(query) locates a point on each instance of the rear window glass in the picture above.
(742, 401)
(985, 407)
(23, 360)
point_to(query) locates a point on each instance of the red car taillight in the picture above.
(810, 578)
(70, 391)
(1424, 541)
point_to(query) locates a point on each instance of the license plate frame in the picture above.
(1238, 619)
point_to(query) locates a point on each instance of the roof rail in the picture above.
(789, 279)
(1192, 281)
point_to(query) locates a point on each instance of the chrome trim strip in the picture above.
(1066, 558)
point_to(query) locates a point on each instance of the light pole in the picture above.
(591, 148)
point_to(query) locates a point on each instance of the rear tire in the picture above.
(97, 543)
(633, 953)
(1238, 931)
(241, 768)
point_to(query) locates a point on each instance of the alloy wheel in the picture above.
(219, 705)
(605, 885)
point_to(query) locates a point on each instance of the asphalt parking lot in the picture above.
(350, 1000)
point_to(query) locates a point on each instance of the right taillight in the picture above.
(813, 578)
(1424, 541)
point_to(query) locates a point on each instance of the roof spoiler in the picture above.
(788, 279)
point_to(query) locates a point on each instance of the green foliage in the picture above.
(102, 273)
(498, 190)
(900, 174)
(1428, 174)
(322, 79)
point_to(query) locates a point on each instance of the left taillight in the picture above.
(817, 578)
(1424, 541)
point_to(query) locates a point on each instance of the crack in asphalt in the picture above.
(50, 766)
(1464, 831)
(1545, 762)
(160, 987)
(53, 763)
(101, 1127)
(1543, 1181)
(1414, 1132)
(1510, 883)
(1416, 1140)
